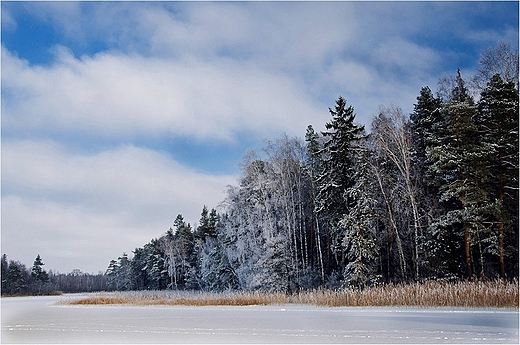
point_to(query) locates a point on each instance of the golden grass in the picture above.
(494, 294)
(187, 298)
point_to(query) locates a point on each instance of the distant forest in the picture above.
(421, 196)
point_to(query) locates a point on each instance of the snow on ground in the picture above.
(41, 320)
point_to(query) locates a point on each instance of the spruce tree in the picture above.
(360, 230)
(423, 119)
(425, 122)
(207, 224)
(16, 278)
(38, 274)
(341, 143)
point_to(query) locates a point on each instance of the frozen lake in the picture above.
(41, 320)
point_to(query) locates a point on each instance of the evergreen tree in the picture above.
(497, 123)
(342, 138)
(186, 253)
(155, 266)
(424, 122)
(17, 278)
(126, 280)
(138, 264)
(207, 224)
(112, 274)
(216, 272)
(425, 116)
(38, 274)
(5, 269)
(360, 224)
(457, 166)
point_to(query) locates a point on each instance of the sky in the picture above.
(118, 116)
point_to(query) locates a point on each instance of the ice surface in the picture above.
(41, 320)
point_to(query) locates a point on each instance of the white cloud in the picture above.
(400, 55)
(121, 96)
(200, 71)
(110, 201)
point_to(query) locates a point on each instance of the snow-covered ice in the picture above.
(41, 320)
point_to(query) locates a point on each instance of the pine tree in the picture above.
(342, 137)
(186, 252)
(424, 122)
(17, 278)
(138, 268)
(38, 274)
(425, 116)
(360, 223)
(497, 123)
(207, 224)
(126, 280)
(112, 276)
(457, 166)
(3, 276)
(155, 266)
(216, 272)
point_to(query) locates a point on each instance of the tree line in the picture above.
(17, 279)
(429, 195)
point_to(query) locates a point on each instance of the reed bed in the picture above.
(469, 294)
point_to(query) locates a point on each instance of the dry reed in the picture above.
(475, 294)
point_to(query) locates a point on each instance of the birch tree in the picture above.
(392, 136)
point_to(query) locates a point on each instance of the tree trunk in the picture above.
(467, 250)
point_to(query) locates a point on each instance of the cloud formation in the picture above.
(77, 203)
(123, 96)
(103, 118)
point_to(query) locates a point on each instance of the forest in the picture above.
(430, 195)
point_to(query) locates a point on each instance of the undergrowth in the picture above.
(474, 294)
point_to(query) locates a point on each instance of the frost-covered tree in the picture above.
(360, 225)
(185, 252)
(337, 176)
(217, 273)
(457, 165)
(157, 274)
(314, 166)
(17, 279)
(290, 194)
(112, 275)
(497, 124)
(269, 220)
(425, 116)
(393, 139)
(424, 122)
(3, 274)
(38, 274)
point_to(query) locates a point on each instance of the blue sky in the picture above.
(117, 116)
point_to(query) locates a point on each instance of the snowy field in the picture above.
(41, 320)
